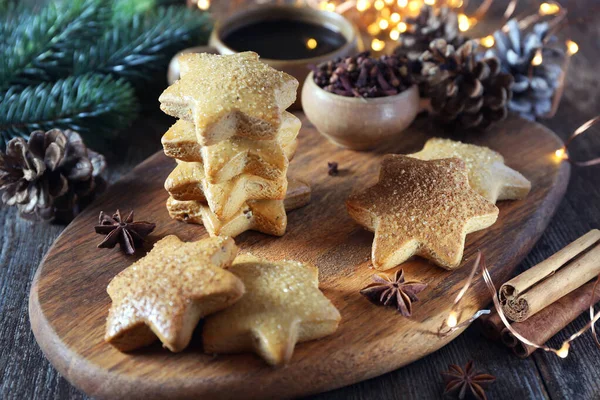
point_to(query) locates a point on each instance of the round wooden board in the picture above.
(68, 301)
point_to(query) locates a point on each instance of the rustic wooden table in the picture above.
(26, 374)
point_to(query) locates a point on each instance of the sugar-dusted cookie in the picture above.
(258, 215)
(423, 208)
(164, 294)
(229, 95)
(282, 306)
(237, 155)
(187, 182)
(488, 175)
(266, 216)
(180, 142)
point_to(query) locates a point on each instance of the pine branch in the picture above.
(127, 9)
(12, 16)
(39, 47)
(89, 104)
(140, 48)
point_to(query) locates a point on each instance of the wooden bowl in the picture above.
(359, 123)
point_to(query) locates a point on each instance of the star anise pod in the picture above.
(394, 293)
(126, 232)
(467, 383)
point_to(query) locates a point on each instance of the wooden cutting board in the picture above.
(68, 301)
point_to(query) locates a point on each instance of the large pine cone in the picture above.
(48, 175)
(429, 25)
(464, 92)
(535, 85)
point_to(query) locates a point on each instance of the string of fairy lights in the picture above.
(384, 21)
(451, 323)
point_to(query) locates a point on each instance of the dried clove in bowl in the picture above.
(364, 76)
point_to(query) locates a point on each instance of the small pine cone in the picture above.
(429, 25)
(535, 85)
(464, 92)
(47, 175)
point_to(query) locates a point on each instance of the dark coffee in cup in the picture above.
(284, 39)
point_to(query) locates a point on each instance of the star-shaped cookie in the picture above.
(229, 158)
(187, 182)
(282, 306)
(264, 216)
(423, 208)
(229, 95)
(225, 160)
(488, 175)
(164, 294)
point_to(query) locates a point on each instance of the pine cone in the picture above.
(429, 25)
(47, 176)
(465, 92)
(534, 85)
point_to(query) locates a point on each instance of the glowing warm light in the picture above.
(430, 2)
(572, 47)
(395, 18)
(452, 321)
(394, 34)
(362, 5)
(454, 3)
(402, 27)
(377, 44)
(383, 24)
(402, 3)
(414, 6)
(385, 13)
(325, 5)
(379, 4)
(487, 41)
(549, 8)
(389, 1)
(537, 59)
(563, 352)
(203, 4)
(373, 29)
(311, 44)
(560, 153)
(463, 22)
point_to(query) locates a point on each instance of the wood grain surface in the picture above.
(69, 304)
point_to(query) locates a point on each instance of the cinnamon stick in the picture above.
(551, 320)
(492, 325)
(548, 281)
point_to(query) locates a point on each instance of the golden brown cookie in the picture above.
(187, 182)
(423, 208)
(282, 306)
(180, 142)
(488, 175)
(164, 294)
(242, 155)
(298, 195)
(229, 95)
(266, 216)
(259, 215)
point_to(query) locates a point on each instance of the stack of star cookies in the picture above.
(232, 143)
